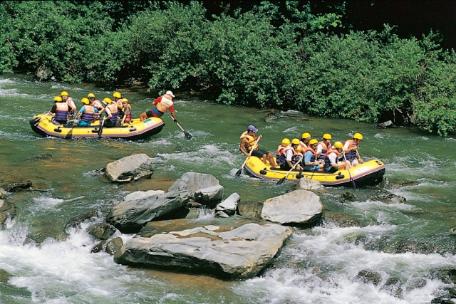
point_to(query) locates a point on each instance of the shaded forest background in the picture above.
(325, 58)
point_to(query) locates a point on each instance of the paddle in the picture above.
(348, 169)
(186, 133)
(100, 129)
(238, 173)
(288, 173)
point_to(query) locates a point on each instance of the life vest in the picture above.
(328, 161)
(250, 139)
(312, 159)
(282, 154)
(89, 113)
(303, 145)
(325, 149)
(350, 151)
(61, 112)
(164, 104)
(114, 113)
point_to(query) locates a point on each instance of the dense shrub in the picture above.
(268, 56)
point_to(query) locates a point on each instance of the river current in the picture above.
(404, 244)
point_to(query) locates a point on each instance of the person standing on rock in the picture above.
(248, 145)
(161, 105)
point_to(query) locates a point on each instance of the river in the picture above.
(405, 244)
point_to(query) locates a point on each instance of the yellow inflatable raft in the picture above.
(368, 173)
(44, 125)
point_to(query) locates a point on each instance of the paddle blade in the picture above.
(238, 173)
(280, 182)
(188, 135)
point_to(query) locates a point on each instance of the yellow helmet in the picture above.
(338, 145)
(64, 93)
(107, 100)
(295, 141)
(358, 136)
(306, 135)
(85, 101)
(327, 136)
(313, 141)
(58, 99)
(125, 100)
(116, 94)
(91, 95)
(285, 142)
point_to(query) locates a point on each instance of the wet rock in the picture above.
(442, 300)
(341, 219)
(385, 124)
(142, 194)
(452, 231)
(18, 186)
(221, 214)
(367, 277)
(347, 196)
(416, 283)
(101, 231)
(309, 184)
(299, 207)
(239, 253)
(3, 193)
(250, 209)
(228, 206)
(75, 222)
(129, 168)
(202, 188)
(97, 248)
(389, 198)
(115, 247)
(43, 73)
(195, 205)
(393, 286)
(7, 211)
(129, 216)
(4, 276)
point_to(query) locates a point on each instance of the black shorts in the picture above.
(259, 153)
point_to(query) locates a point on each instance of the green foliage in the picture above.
(272, 55)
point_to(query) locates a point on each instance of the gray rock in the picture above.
(239, 253)
(229, 205)
(367, 276)
(202, 188)
(347, 196)
(7, 210)
(221, 214)
(129, 168)
(115, 247)
(309, 184)
(18, 186)
(250, 209)
(130, 216)
(98, 247)
(142, 194)
(76, 221)
(3, 193)
(101, 231)
(299, 207)
(385, 124)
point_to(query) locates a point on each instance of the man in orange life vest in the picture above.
(247, 144)
(351, 149)
(161, 105)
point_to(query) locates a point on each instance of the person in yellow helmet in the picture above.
(87, 113)
(60, 110)
(351, 147)
(94, 101)
(112, 113)
(285, 154)
(69, 101)
(334, 159)
(126, 107)
(324, 146)
(305, 137)
(297, 153)
(247, 143)
(310, 157)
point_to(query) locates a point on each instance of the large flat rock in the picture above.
(131, 214)
(238, 253)
(299, 207)
(129, 168)
(202, 188)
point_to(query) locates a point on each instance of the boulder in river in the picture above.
(101, 231)
(18, 186)
(309, 184)
(228, 206)
(115, 246)
(3, 193)
(239, 253)
(202, 188)
(130, 215)
(129, 168)
(367, 276)
(7, 210)
(299, 207)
